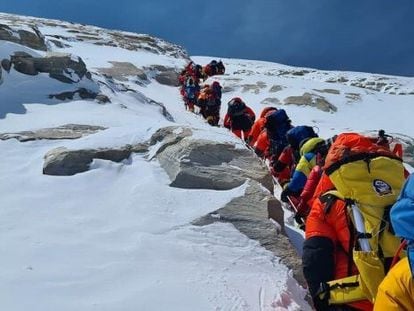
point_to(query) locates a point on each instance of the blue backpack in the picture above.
(190, 91)
(297, 134)
(402, 212)
(402, 218)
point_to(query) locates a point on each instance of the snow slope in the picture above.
(118, 237)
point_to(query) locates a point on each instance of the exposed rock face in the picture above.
(255, 88)
(313, 100)
(164, 75)
(353, 97)
(276, 88)
(270, 101)
(60, 67)
(202, 164)
(30, 39)
(329, 91)
(122, 70)
(6, 64)
(249, 214)
(64, 162)
(169, 136)
(82, 93)
(67, 131)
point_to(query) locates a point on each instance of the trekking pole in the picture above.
(291, 203)
(359, 226)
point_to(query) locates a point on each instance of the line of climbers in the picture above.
(342, 190)
(349, 197)
(207, 97)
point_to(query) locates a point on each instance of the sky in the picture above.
(358, 35)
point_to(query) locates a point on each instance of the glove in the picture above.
(298, 219)
(285, 193)
(321, 299)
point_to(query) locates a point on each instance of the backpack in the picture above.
(277, 125)
(210, 100)
(216, 90)
(220, 68)
(235, 107)
(369, 178)
(240, 119)
(276, 120)
(242, 122)
(402, 213)
(402, 218)
(190, 92)
(298, 134)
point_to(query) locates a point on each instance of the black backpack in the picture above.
(240, 119)
(277, 126)
(235, 107)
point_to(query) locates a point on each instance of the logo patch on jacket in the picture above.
(381, 187)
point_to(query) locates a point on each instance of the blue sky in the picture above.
(358, 35)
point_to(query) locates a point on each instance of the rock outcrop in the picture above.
(62, 67)
(67, 131)
(64, 162)
(122, 70)
(32, 39)
(164, 75)
(202, 164)
(249, 214)
(312, 100)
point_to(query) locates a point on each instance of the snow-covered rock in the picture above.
(63, 162)
(67, 131)
(205, 164)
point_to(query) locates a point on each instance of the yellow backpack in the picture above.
(369, 178)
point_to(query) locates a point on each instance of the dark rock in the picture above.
(59, 44)
(58, 66)
(24, 65)
(81, 92)
(276, 88)
(63, 67)
(168, 78)
(329, 91)
(164, 75)
(6, 64)
(102, 99)
(32, 40)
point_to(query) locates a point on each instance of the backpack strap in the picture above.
(329, 198)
